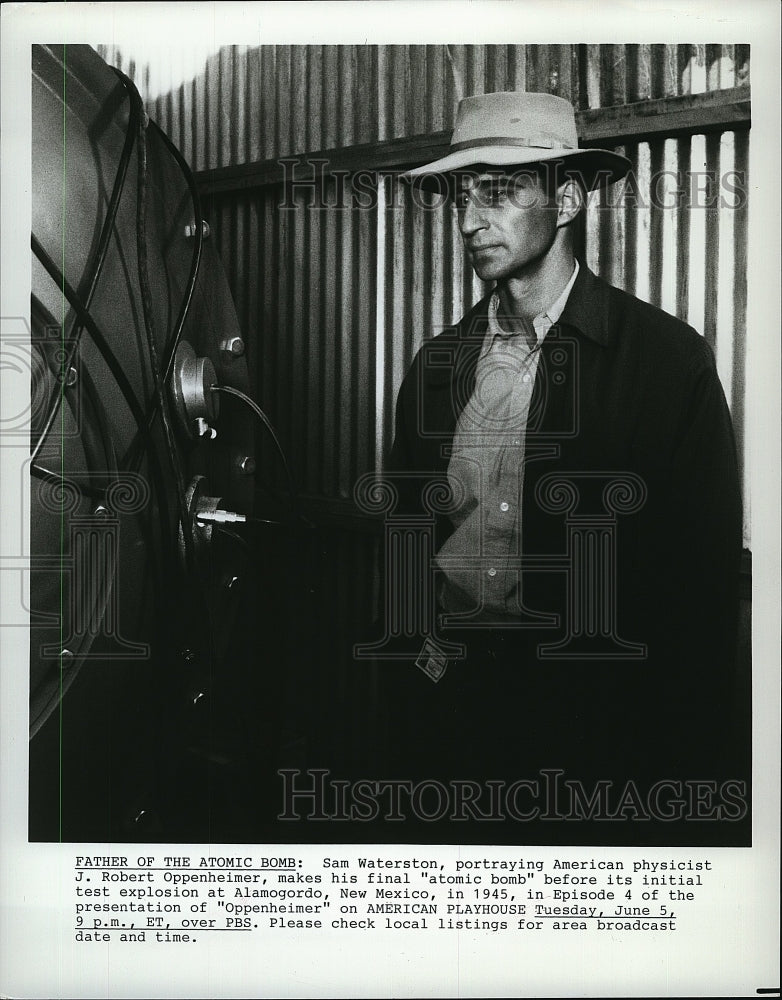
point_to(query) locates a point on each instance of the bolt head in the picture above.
(247, 465)
(233, 346)
(191, 229)
(203, 430)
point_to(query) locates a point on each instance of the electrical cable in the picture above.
(110, 358)
(96, 268)
(238, 394)
(197, 248)
(93, 400)
(95, 485)
(92, 490)
(163, 379)
(162, 571)
(233, 535)
(143, 443)
(195, 264)
(99, 260)
(149, 329)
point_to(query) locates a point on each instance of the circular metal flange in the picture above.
(191, 384)
(198, 501)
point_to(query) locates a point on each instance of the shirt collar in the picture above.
(542, 323)
(590, 309)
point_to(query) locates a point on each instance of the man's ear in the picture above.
(570, 201)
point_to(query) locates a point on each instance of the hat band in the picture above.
(535, 142)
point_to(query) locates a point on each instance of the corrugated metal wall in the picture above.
(335, 302)
(243, 104)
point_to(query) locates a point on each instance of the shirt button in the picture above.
(492, 572)
(504, 506)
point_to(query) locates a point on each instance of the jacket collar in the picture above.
(588, 310)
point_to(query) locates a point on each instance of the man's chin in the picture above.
(487, 272)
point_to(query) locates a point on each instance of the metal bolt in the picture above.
(101, 511)
(247, 465)
(188, 655)
(233, 345)
(70, 377)
(190, 229)
(232, 583)
(66, 657)
(203, 429)
(198, 697)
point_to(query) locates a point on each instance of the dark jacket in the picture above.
(628, 427)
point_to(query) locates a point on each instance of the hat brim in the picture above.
(596, 167)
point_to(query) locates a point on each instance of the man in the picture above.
(572, 449)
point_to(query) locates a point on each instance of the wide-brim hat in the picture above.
(515, 128)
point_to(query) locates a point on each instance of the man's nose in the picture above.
(471, 219)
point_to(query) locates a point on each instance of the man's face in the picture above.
(507, 221)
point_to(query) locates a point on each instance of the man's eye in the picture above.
(487, 197)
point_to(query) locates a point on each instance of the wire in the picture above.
(233, 535)
(99, 260)
(96, 484)
(195, 197)
(109, 357)
(197, 248)
(163, 378)
(147, 309)
(92, 490)
(143, 441)
(230, 391)
(195, 264)
(93, 400)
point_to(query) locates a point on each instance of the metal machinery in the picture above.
(139, 464)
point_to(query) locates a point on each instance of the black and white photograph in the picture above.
(393, 435)
(376, 482)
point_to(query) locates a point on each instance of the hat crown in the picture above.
(537, 120)
(513, 128)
